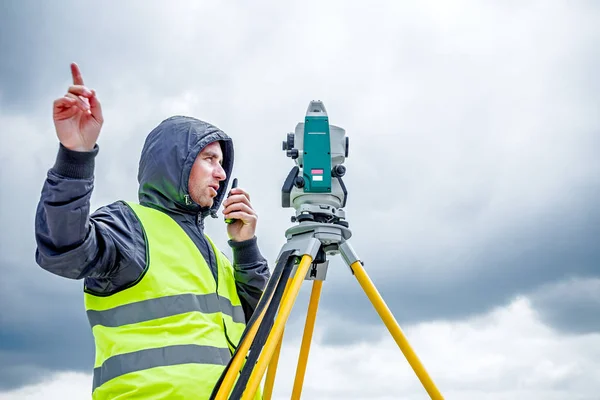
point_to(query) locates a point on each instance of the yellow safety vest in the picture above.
(170, 334)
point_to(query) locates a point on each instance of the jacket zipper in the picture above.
(229, 340)
(209, 252)
(209, 261)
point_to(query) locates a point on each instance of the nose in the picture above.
(219, 173)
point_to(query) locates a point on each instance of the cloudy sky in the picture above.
(473, 177)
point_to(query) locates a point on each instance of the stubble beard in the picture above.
(204, 200)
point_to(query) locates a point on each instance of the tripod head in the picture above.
(314, 187)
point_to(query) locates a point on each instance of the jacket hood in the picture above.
(167, 157)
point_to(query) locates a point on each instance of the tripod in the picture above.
(304, 257)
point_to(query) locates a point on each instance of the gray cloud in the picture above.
(43, 325)
(472, 172)
(471, 281)
(570, 305)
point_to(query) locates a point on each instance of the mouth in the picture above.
(215, 188)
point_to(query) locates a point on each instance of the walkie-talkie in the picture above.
(233, 186)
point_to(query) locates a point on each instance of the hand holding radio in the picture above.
(240, 217)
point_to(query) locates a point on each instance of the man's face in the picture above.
(206, 174)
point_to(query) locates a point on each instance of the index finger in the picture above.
(77, 79)
(241, 191)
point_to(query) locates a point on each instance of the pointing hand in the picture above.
(78, 115)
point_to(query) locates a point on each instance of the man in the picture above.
(166, 307)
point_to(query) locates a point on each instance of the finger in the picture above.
(242, 216)
(66, 113)
(95, 107)
(237, 198)
(63, 103)
(80, 90)
(83, 93)
(240, 212)
(79, 102)
(76, 73)
(65, 108)
(241, 191)
(239, 205)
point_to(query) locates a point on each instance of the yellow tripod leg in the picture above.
(311, 316)
(238, 360)
(390, 322)
(277, 329)
(272, 371)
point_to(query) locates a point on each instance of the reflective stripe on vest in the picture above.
(144, 359)
(146, 310)
(171, 333)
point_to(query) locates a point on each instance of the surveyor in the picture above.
(166, 306)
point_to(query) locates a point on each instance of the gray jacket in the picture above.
(107, 248)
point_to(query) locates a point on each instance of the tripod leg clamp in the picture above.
(348, 253)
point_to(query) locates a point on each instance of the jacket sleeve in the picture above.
(251, 273)
(74, 244)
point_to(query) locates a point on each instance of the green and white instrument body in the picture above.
(319, 149)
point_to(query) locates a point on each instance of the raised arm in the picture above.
(71, 242)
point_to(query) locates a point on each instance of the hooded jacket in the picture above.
(107, 248)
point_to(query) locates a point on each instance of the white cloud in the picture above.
(61, 386)
(507, 354)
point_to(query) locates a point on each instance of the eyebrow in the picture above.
(212, 153)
